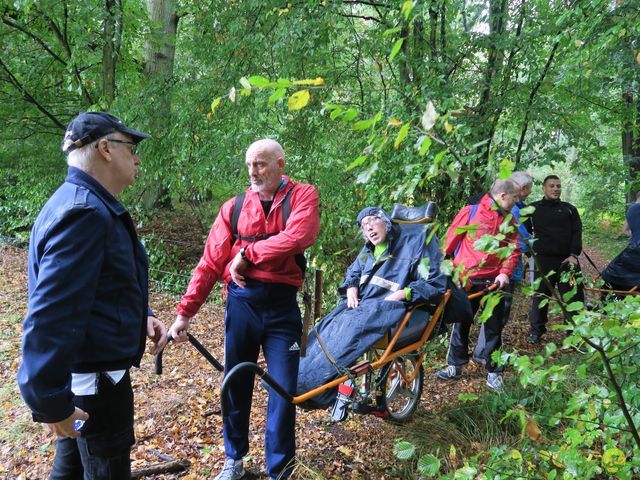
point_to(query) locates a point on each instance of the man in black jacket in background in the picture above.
(557, 229)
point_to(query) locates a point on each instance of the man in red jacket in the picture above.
(479, 269)
(259, 262)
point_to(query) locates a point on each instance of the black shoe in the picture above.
(534, 338)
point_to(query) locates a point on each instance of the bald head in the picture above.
(265, 162)
(266, 147)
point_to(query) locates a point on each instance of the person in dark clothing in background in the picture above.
(557, 230)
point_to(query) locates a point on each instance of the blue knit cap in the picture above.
(371, 211)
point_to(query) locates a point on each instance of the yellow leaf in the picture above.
(448, 127)
(638, 57)
(613, 459)
(345, 450)
(299, 100)
(395, 122)
(315, 82)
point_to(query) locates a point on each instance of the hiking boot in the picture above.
(450, 373)
(232, 470)
(495, 382)
(534, 338)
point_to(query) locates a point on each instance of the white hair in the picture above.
(522, 179)
(82, 157)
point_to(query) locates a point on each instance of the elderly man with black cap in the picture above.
(88, 311)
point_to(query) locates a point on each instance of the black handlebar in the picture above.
(229, 377)
(203, 351)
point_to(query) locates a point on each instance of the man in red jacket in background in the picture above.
(259, 262)
(479, 269)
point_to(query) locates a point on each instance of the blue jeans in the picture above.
(262, 315)
(103, 450)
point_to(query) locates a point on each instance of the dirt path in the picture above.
(176, 414)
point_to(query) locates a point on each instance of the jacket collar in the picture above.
(83, 179)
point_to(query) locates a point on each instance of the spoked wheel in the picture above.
(402, 386)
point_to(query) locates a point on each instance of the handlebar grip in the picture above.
(159, 356)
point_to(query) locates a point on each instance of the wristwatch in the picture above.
(243, 254)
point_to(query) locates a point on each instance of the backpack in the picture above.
(301, 261)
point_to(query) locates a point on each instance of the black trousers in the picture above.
(538, 316)
(458, 353)
(103, 450)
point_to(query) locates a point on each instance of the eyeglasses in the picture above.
(370, 222)
(133, 146)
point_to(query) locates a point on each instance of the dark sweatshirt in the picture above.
(557, 227)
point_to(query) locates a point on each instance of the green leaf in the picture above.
(277, 95)
(428, 465)
(465, 473)
(402, 134)
(396, 48)
(336, 113)
(406, 9)
(575, 306)
(424, 145)
(284, 83)
(357, 162)
(404, 450)
(365, 176)
(258, 81)
(467, 397)
(299, 100)
(362, 124)
(215, 104)
(506, 169)
(349, 115)
(391, 31)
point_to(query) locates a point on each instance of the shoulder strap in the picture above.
(472, 212)
(235, 215)
(286, 208)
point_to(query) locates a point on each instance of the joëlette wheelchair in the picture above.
(388, 382)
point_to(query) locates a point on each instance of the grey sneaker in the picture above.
(495, 382)
(450, 373)
(232, 470)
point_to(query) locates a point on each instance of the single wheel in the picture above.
(401, 387)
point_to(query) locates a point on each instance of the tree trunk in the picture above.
(631, 143)
(160, 49)
(110, 32)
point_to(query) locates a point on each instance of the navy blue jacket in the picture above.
(409, 261)
(88, 295)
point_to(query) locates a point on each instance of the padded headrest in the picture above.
(420, 214)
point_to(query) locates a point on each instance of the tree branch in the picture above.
(28, 97)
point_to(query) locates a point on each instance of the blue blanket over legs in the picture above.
(347, 333)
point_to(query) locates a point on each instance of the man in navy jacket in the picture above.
(88, 309)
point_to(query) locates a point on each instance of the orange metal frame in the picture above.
(388, 355)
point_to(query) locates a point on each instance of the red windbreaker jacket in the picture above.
(272, 259)
(477, 263)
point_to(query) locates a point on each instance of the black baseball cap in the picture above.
(90, 126)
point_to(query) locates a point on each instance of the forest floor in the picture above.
(177, 413)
